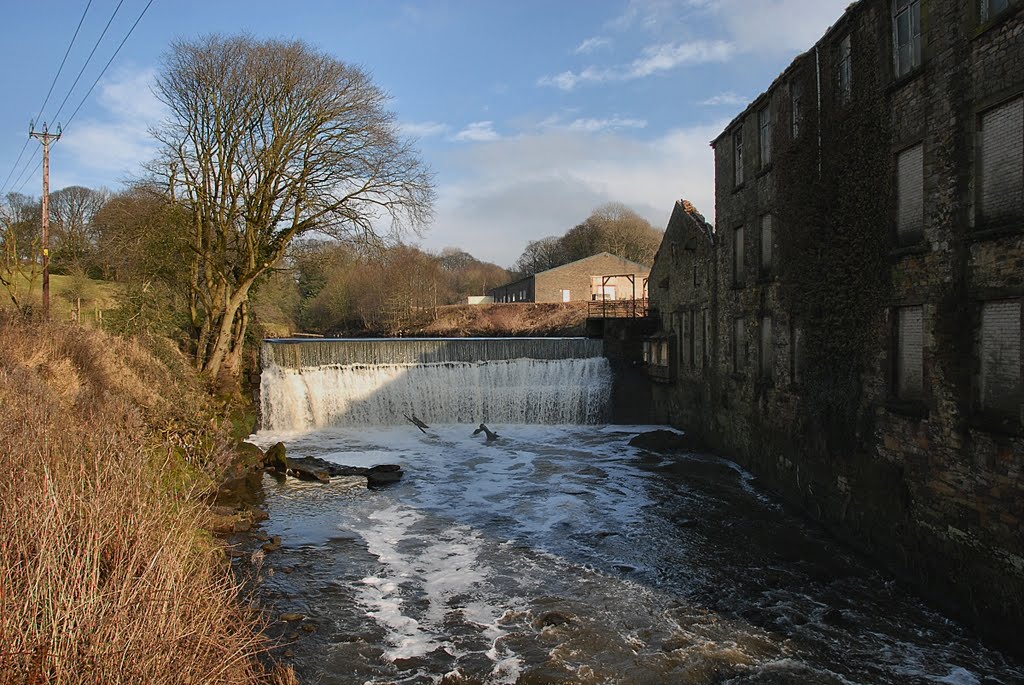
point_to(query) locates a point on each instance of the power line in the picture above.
(88, 59)
(107, 65)
(31, 173)
(61, 67)
(47, 98)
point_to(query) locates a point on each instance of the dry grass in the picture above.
(519, 319)
(105, 573)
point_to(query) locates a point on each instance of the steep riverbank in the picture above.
(109, 448)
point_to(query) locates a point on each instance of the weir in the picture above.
(314, 384)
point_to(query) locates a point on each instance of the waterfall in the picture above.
(315, 384)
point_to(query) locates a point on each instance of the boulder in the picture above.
(305, 471)
(666, 441)
(383, 474)
(249, 455)
(276, 458)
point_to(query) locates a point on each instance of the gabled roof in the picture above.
(637, 268)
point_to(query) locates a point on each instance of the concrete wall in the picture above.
(931, 480)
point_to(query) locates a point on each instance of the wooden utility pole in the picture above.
(46, 138)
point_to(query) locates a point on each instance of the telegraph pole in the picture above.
(46, 138)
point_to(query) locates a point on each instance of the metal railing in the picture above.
(617, 309)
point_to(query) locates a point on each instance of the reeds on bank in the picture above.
(106, 575)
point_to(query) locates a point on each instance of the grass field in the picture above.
(66, 293)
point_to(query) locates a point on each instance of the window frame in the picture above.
(915, 236)
(737, 156)
(910, 9)
(739, 257)
(987, 14)
(897, 391)
(764, 136)
(1013, 415)
(844, 66)
(981, 221)
(739, 332)
(796, 115)
(765, 269)
(766, 348)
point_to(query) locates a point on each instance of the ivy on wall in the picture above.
(835, 204)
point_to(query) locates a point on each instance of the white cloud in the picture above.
(518, 189)
(772, 26)
(591, 44)
(114, 142)
(478, 132)
(654, 59)
(726, 98)
(610, 124)
(423, 129)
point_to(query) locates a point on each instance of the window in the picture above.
(767, 356)
(1001, 163)
(796, 343)
(566, 295)
(698, 336)
(685, 337)
(695, 278)
(910, 195)
(765, 257)
(909, 353)
(691, 349)
(1000, 370)
(739, 345)
(845, 70)
(706, 325)
(738, 257)
(764, 127)
(737, 157)
(991, 8)
(906, 35)
(796, 114)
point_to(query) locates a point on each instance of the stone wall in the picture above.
(858, 362)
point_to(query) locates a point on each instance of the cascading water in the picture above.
(316, 384)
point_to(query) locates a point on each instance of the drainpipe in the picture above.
(817, 74)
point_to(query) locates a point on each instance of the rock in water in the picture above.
(276, 458)
(665, 441)
(383, 474)
(304, 471)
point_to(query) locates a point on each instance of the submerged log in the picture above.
(312, 468)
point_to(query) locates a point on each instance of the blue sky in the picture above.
(531, 114)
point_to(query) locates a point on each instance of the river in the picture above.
(560, 554)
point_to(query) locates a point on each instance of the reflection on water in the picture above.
(562, 555)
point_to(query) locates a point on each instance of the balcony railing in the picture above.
(617, 309)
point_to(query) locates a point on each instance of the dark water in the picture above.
(562, 555)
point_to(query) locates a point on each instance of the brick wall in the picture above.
(931, 480)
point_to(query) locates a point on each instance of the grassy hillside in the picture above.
(106, 573)
(66, 292)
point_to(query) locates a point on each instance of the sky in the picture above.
(530, 113)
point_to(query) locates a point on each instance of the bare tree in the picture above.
(612, 227)
(267, 141)
(71, 213)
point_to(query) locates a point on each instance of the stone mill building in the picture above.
(851, 328)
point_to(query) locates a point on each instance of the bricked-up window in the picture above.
(906, 35)
(737, 156)
(691, 349)
(764, 127)
(739, 344)
(1000, 356)
(991, 8)
(910, 195)
(845, 70)
(796, 112)
(909, 353)
(685, 338)
(796, 343)
(738, 257)
(698, 335)
(707, 334)
(765, 240)
(767, 357)
(1001, 186)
